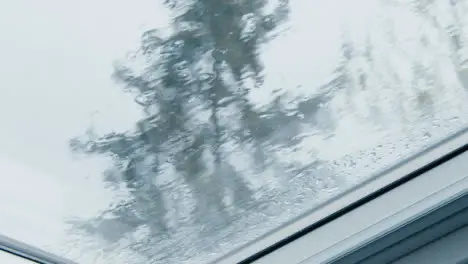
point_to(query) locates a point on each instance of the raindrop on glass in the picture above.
(207, 77)
(168, 93)
(145, 98)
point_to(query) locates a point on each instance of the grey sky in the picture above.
(56, 61)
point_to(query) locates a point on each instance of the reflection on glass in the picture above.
(224, 120)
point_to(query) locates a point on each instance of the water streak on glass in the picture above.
(169, 131)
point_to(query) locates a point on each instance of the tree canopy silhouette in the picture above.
(192, 87)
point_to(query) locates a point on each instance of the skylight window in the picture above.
(180, 131)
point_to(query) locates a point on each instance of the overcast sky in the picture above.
(56, 61)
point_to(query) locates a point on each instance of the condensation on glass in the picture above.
(166, 131)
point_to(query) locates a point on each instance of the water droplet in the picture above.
(219, 54)
(181, 69)
(178, 43)
(145, 98)
(205, 87)
(269, 22)
(249, 26)
(207, 77)
(189, 26)
(181, 65)
(151, 39)
(426, 135)
(168, 93)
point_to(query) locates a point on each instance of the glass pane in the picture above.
(165, 131)
(12, 259)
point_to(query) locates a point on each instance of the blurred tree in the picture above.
(192, 89)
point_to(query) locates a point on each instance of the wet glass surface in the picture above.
(12, 259)
(170, 131)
